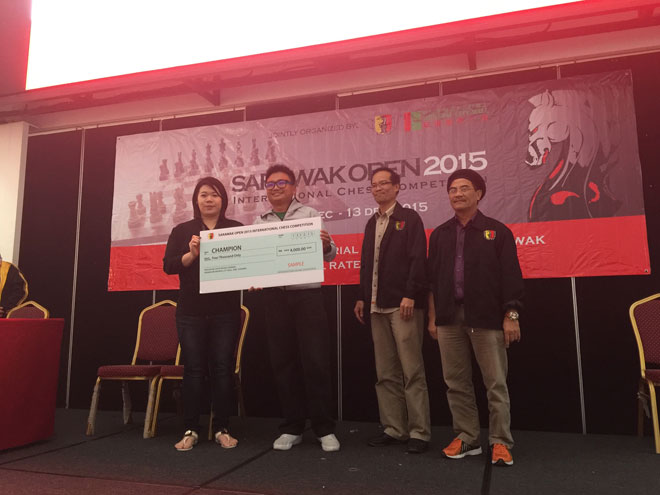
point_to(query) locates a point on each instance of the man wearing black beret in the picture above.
(474, 306)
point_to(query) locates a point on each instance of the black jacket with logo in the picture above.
(493, 280)
(402, 262)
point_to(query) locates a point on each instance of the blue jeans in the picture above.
(207, 349)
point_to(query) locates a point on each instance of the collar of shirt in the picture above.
(387, 213)
(295, 204)
(459, 225)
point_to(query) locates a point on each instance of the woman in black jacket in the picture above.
(207, 324)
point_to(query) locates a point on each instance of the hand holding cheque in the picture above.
(262, 255)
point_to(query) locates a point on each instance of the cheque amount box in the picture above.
(296, 249)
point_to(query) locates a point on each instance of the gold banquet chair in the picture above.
(167, 372)
(157, 341)
(645, 319)
(29, 309)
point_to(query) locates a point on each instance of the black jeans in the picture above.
(207, 349)
(299, 345)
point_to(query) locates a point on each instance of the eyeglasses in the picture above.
(462, 189)
(280, 184)
(382, 183)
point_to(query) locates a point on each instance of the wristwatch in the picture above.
(512, 314)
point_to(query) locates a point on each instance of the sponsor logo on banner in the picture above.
(458, 114)
(383, 124)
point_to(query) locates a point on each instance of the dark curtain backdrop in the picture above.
(48, 231)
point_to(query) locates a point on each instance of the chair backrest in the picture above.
(29, 309)
(157, 339)
(645, 318)
(245, 318)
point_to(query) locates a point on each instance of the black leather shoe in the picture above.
(417, 446)
(384, 439)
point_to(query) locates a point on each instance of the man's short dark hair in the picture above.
(280, 167)
(465, 173)
(394, 177)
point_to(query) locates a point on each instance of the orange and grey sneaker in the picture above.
(458, 449)
(501, 455)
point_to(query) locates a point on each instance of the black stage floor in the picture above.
(118, 461)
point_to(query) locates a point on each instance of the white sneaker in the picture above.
(329, 443)
(286, 441)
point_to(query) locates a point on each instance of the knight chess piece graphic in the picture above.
(164, 171)
(239, 162)
(574, 154)
(208, 164)
(179, 169)
(135, 221)
(194, 167)
(155, 215)
(271, 158)
(254, 154)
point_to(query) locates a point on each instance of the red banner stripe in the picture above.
(570, 248)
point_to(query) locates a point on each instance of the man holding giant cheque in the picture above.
(297, 327)
(282, 255)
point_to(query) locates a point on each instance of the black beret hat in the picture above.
(474, 177)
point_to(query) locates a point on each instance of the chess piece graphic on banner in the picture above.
(179, 169)
(194, 168)
(178, 199)
(140, 208)
(222, 163)
(164, 171)
(208, 165)
(239, 162)
(161, 204)
(254, 154)
(270, 152)
(578, 153)
(135, 221)
(155, 215)
(180, 213)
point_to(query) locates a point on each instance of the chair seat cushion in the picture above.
(128, 370)
(172, 371)
(653, 375)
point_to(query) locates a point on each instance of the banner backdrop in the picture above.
(560, 161)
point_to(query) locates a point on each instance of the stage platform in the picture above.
(118, 461)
